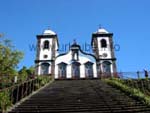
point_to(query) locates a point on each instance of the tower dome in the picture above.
(102, 31)
(49, 32)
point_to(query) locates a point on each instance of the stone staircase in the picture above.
(80, 96)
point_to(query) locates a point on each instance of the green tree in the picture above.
(23, 75)
(31, 71)
(9, 58)
(26, 73)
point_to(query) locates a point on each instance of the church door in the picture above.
(45, 68)
(107, 68)
(76, 70)
(89, 70)
(62, 70)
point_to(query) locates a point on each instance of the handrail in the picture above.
(18, 91)
(14, 85)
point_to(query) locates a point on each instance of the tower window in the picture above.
(103, 43)
(46, 44)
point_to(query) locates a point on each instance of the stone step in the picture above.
(80, 104)
(100, 108)
(76, 96)
(87, 109)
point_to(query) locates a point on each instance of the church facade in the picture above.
(76, 64)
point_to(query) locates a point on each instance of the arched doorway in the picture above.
(89, 69)
(106, 68)
(62, 70)
(76, 70)
(45, 68)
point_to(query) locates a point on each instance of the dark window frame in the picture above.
(46, 44)
(103, 43)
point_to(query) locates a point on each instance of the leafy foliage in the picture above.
(26, 73)
(30, 70)
(5, 101)
(23, 75)
(134, 92)
(9, 58)
(43, 80)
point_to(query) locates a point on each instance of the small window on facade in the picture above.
(103, 43)
(46, 44)
(45, 56)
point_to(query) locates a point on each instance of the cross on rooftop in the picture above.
(100, 26)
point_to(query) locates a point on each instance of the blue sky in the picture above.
(129, 20)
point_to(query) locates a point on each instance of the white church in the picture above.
(76, 64)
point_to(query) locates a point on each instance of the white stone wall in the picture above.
(67, 58)
(107, 50)
(45, 51)
(104, 50)
(83, 58)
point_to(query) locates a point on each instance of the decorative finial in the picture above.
(48, 27)
(74, 41)
(100, 26)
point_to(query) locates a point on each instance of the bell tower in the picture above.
(47, 46)
(103, 49)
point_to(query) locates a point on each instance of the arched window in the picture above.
(62, 70)
(45, 68)
(76, 69)
(89, 69)
(103, 43)
(46, 44)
